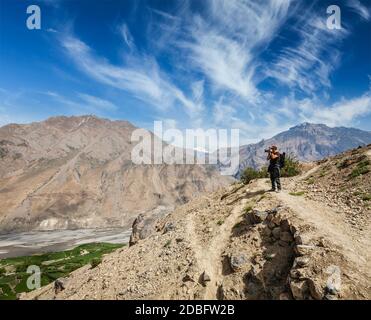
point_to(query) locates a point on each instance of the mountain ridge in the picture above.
(72, 172)
(309, 242)
(76, 172)
(307, 142)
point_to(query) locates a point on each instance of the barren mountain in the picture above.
(307, 142)
(76, 172)
(246, 243)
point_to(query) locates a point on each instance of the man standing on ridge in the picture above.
(274, 168)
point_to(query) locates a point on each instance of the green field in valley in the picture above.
(13, 271)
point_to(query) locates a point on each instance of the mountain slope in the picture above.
(76, 172)
(244, 243)
(308, 142)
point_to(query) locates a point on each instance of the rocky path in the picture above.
(328, 224)
(209, 257)
(241, 242)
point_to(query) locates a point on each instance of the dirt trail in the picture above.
(246, 254)
(209, 257)
(329, 224)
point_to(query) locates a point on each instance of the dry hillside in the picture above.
(76, 172)
(246, 243)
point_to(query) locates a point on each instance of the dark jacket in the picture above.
(274, 164)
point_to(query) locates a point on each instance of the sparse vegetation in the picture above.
(220, 222)
(366, 197)
(310, 180)
(13, 275)
(291, 168)
(360, 169)
(95, 262)
(298, 193)
(250, 174)
(323, 172)
(167, 244)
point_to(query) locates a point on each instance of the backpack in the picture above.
(282, 160)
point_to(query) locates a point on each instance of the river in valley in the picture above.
(36, 242)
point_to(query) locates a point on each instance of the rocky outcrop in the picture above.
(302, 282)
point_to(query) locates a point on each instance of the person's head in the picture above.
(274, 148)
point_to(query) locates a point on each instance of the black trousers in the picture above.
(275, 178)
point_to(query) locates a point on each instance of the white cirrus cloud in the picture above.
(142, 76)
(308, 65)
(98, 102)
(359, 8)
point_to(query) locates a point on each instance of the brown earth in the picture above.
(243, 243)
(76, 172)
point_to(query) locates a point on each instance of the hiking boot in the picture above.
(272, 190)
(278, 191)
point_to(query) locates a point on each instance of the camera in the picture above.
(268, 150)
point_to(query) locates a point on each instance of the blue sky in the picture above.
(260, 66)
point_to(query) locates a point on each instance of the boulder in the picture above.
(187, 278)
(286, 236)
(267, 232)
(137, 227)
(273, 211)
(277, 219)
(256, 216)
(299, 289)
(293, 229)
(302, 249)
(315, 289)
(271, 225)
(295, 274)
(237, 261)
(59, 285)
(169, 226)
(285, 225)
(276, 232)
(205, 278)
(302, 238)
(301, 261)
(333, 284)
(283, 243)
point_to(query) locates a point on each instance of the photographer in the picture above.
(274, 168)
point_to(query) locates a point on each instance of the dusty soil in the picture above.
(239, 243)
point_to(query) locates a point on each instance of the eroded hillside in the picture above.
(76, 172)
(245, 243)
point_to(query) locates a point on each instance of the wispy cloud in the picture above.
(83, 103)
(126, 35)
(98, 102)
(359, 8)
(142, 77)
(308, 65)
(343, 112)
(225, 42)
(224, 63)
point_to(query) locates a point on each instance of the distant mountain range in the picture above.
(76, 172)
(307, 142)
